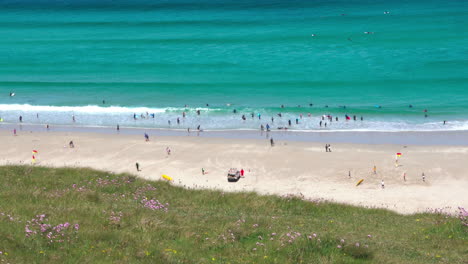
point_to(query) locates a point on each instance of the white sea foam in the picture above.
(89, 109)
(211, 119)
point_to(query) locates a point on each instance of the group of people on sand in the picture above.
(382, 184)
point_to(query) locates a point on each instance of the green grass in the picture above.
(203, 226)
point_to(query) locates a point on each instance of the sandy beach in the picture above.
(290, 167)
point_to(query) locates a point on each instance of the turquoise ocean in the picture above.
(368, 58)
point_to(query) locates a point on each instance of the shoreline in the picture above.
(417, 138)
(289, 168)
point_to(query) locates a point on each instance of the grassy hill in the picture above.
(84, 216)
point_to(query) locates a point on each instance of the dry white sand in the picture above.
(287, 168)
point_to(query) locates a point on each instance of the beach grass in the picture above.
(69, 215)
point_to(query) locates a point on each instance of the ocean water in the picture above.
(63, 58)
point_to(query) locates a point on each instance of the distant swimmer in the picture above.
(386, 12)
(313, 35)
(368, 32)
(103, 101)
(12, 94)
(445, 122)
(311, 104)
(410, 106)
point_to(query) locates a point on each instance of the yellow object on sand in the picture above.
(359, 182)
(164, 176)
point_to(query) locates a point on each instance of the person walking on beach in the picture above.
(14, 132)
(71, 144)
(202, 171)
(137, 165)
(423, 177)
(383, 184)
(375, 169)
(242, 173)
(272, 142)
(146, 137)
(21, 119)
(326, 147)
(118, 127)
(404, 176)
(329, 148)
(168, 151)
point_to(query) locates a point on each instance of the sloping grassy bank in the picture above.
(84, 216)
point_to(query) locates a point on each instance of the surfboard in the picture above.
(164, 176)
(359, 182)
